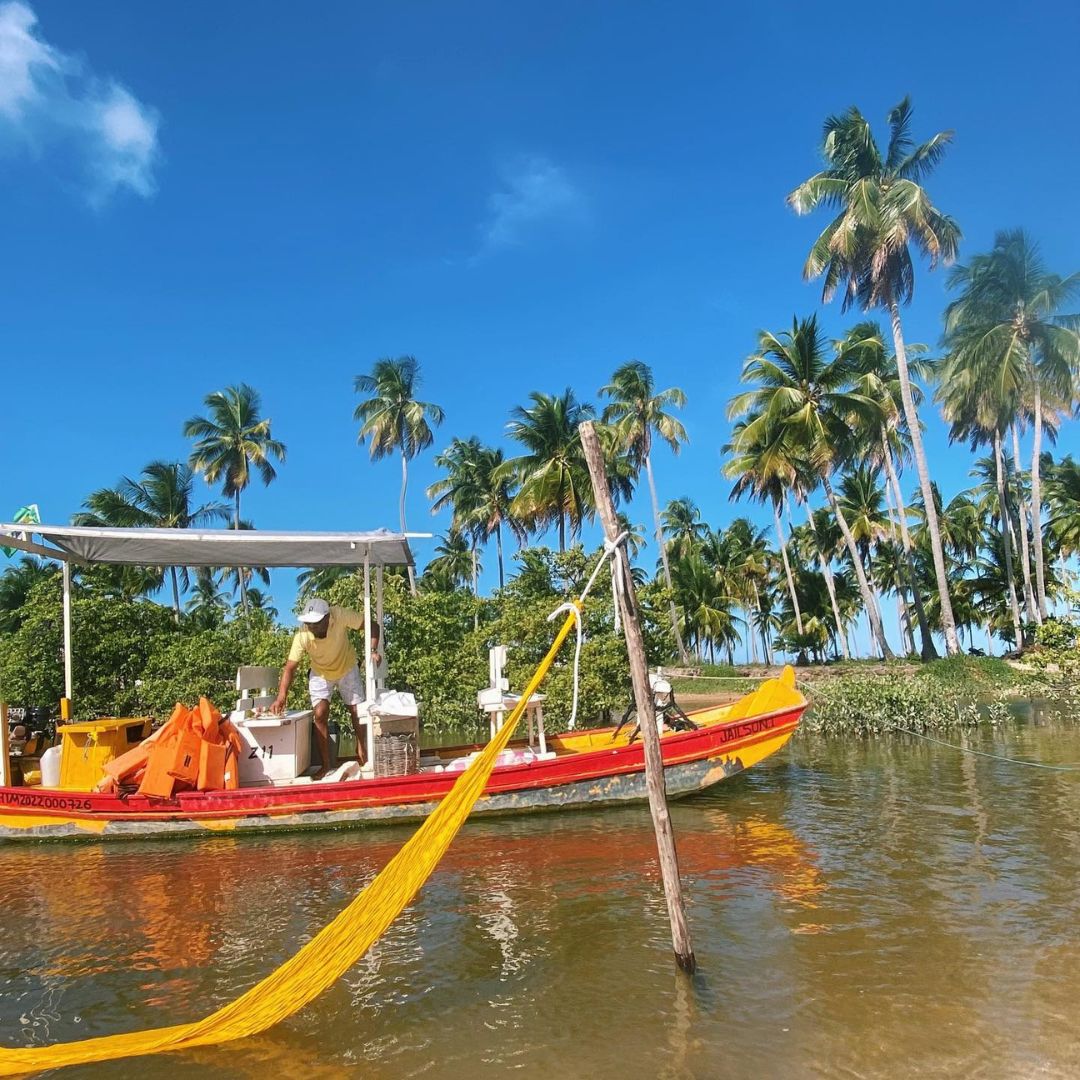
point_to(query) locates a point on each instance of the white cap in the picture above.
(314, 611)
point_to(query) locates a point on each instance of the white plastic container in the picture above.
(50, 767)
(276, 747)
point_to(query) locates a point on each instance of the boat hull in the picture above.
(594, 771)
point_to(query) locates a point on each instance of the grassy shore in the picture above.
(868, 697)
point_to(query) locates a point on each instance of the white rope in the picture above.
(611, 547)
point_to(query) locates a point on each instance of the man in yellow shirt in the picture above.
(333, 664)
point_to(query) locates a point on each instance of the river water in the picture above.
(859, 909)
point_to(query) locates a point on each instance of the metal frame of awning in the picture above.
(91, 546)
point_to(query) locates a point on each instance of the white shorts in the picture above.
(349, 687)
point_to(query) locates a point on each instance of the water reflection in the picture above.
(865, 908)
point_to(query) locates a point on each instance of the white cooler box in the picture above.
(276, 747)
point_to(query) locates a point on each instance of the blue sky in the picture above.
(523, 196)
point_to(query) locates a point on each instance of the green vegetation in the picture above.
(944, 693)
(133, 657)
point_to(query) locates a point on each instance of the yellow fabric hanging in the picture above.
(328, 955)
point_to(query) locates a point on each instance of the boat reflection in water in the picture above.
(149, 931)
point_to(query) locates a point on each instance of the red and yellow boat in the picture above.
(593, 768)
(598, 767)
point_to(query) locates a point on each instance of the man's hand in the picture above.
(287, 673)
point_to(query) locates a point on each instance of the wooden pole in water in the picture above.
(635, 646)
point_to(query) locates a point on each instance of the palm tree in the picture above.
(454, 564)
(863, 502)
(637, 411)
(553, 477)
(682, 529)
(1063, 491)
(230, 441)
(207, 604)
(883, 209)
(493, 498)
(1007, 326)
(763, 468)
(808, 400)
(1020, 484)
(262, 602)
(478, 490)
(706, 608)
(978, 411)
(750, 565)
(891, 445)
(635, 534)
(458, 489)
(15, 585)
(392, 419)
(233, 439)
(826, 541)
(316, 581)
(162, 498)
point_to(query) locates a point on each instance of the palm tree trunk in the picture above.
(948, 622)
(903, 614)
(787, 567)
(872, 613)
(498, 548)
(903, 610)
(830, 585)
(875, 592)
(683, 658)
(562, 532)
(1025, 548)
(242, 580)
(929, 650)
(1006, 540)
(989, 642)
(175, 593)
(907, 632)
(751, 638)
(764, 636)
(475, 589)
(401, 514)
(1036, 503)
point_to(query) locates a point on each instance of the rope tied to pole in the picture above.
(573, 610)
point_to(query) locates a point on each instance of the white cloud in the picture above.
(50, 102)
(534, 194)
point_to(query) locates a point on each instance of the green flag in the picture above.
(25, 515)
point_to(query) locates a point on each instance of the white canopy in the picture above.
(210, 547)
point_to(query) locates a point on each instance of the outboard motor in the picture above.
(669, 713)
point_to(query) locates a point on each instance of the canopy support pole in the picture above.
(379, 622)
(65, 701)
(5, 761)
(369, 672)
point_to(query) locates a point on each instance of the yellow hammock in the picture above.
(328, 955)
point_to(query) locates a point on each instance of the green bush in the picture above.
(112, 642)
(1060, 637)
(133, 657)
(188, 665)
(945, 693)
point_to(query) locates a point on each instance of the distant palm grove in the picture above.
(827, 435)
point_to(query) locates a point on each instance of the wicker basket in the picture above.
(397, 755)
